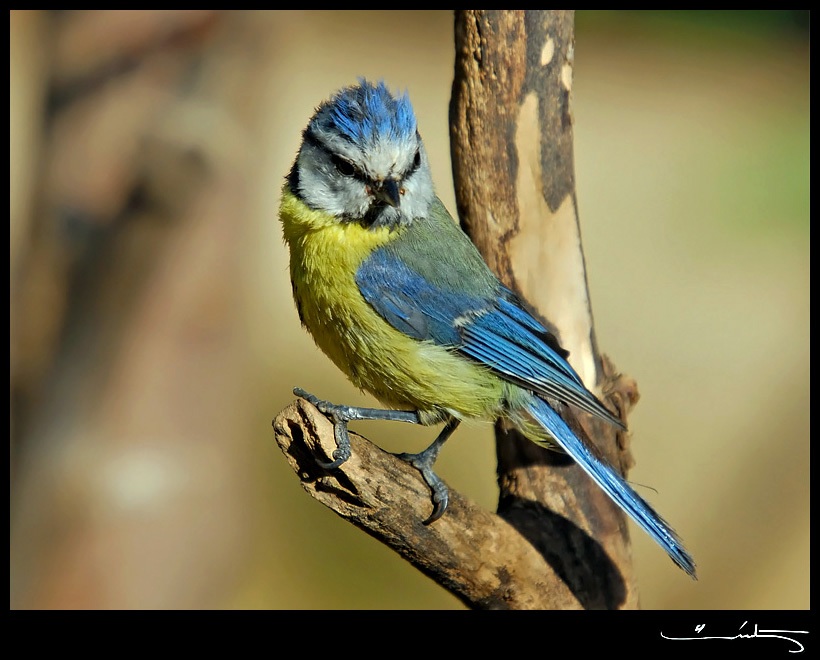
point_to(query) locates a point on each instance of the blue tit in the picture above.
(398, 297)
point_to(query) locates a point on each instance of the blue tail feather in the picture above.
(612, 483)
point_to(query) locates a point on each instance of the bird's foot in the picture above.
(340, 416)
(423, 462)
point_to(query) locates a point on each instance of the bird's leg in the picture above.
(341, 415)
(423, 462)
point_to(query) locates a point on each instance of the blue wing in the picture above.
(494, 328)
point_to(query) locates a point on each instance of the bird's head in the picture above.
(362, 159)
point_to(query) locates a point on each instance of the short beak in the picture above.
(388, 192)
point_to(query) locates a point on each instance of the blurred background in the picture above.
(153, 337)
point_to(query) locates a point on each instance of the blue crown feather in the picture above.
(368, 113)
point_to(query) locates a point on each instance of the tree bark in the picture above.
(513, 164)
(557, 542)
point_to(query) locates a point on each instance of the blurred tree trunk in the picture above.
(557, 542)
(127, 483)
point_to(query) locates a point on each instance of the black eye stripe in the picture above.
(345, 167)
(416, 163)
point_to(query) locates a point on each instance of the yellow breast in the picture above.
(400, 371)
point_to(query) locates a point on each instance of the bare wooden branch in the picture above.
(477, 555)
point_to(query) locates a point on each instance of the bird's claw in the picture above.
(441, 498)
(340, 419)
(340, 455)
(440, 495)
(324, 407)
(423, 461)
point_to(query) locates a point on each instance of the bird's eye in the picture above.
(345, 168)
(417, 160)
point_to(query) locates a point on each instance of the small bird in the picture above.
(398, 297)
